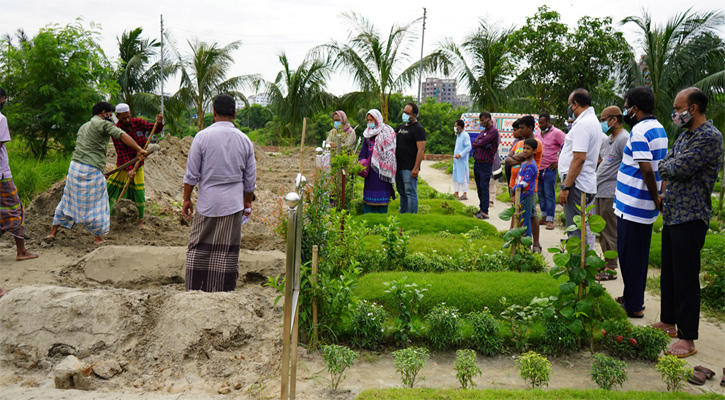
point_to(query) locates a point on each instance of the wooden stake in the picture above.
(293, 371)
(302, 144)
(315, 262)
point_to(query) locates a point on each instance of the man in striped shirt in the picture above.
(636, 200)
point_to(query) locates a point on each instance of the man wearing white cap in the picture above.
(139, 130)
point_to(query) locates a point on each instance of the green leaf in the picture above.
(507, 213)
(514, 233)
(572, 228)
(527, 241)
(596, 223)
(576, 326)
(554, 250)
(584, 306)
(578, 221)
(590, 208)
(596, 289)
(561, 259)
(577, 275)
(573, 245)
(610, 254)
(567, 312)
(567, 287)
(596, 262)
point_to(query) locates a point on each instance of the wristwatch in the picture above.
(566, 188)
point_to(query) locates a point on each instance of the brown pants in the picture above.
(608, 237)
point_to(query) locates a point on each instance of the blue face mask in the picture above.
(371, 125)
(605, 126)
(406, 118)
(337, 124)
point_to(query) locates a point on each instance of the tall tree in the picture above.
(482, 63)
(685, 51)
(53, 84)
(377, 64)
(298, 93)
(204, 76)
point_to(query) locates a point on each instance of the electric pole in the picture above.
(420, 64)
(161, 64)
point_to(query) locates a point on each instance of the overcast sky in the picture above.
(267, 28)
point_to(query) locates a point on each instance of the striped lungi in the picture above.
(136, 191)
(212, 259)
(12, 213)
(85, 200)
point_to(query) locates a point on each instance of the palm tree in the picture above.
(686, 51)
(375, 63)
(138, 81)
(490, 68)
(203, 76)
(298, 93)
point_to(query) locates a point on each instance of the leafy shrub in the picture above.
(424, 262)
(408, 362)
(534, 369)
(424, 209)
(408, 297)
(674, 371)
(466, 368)
(443, 324)
(520, 318)
(713, 265)
(623, 340)
(486, 336)
(395, 242)
(558, 339)
(337, 359)
(433, 222)
(608, 372)
(650, 342)
(447, 209)
(372, 261)
(366, 327)
(356, 207)
(469, 210)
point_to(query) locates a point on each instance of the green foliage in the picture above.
(469, 210)
(471, 291)
(608, 372)
(433, 223)
(713, 265)
(443, 324)
(674, 372)
(424, 209)
(520, 317)
(549, 394)
(557, 339)
(395, 243)
(623, 340)
(337, 360)
(366, 327)
(407, 297)
(254, 116)
(52, 81)
(486, 336)
(31, 175)
(466, 368)
(408, 363)
(438, 120)
(534, 369)
(447, 209)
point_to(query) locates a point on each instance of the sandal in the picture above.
(693, 352)
(607, 276)
(463, 198)
(549, 226)
(536, 248)
(722, 382)
(620, 300)
(707, 371)
(697, 378)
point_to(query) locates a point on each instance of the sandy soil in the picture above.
(124, 302)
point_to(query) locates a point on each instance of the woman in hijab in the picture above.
(379, 149)
(461, 173)
(343, 130)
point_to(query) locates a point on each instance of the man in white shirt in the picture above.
(578, 158)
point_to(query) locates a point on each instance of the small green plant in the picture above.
(466, 368)
(337, 359)
(424, 209)
(447, 208)
(408, 362)
(534, 369)
(520, 318)
(469, 210)
(408, 296)
(443, 323)
(674, 371)
(366, 327)
(395, 243)
(486, 336)
(608, 372)
(623, 340)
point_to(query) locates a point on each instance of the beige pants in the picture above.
(608, 237)
(492, 190)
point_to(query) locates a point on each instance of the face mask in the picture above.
(570, 112)
(681, 119)
(548, 128)
(337, 124)
(108, 118)
(406, 118)
(456, 130)
(371, 125)
(605, 126)
(628, 118)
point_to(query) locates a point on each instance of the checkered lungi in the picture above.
(212, 259)
(12, 213)
(135, 192)
(85, 200)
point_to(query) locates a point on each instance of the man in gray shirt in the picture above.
(610, 157)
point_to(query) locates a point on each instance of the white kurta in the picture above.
(460, 166)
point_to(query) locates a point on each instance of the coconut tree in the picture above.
(686, 51)
(297, 93)
(136, 78)
(482, 63)
(378, 65)
(204, 76)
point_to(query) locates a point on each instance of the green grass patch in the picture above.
(433, 243)
(472, 291)
(432, 223)
(31, 175)
(655, 248)
(538, 394)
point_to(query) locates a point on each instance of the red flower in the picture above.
(619, 338)
(604, 333)
(633, 342)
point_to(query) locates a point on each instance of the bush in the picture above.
(469, 210)
(424, 209)
(424, 262)
(407, 298)
(443, 325)
(337, 359)
(558, 339)
(623, 340)
(674, 371)
(608, 372)
(433, 223)
(32, 176)
(486, 336)
(472, 291)
(466, 368)
(366, 327)
(534, 369)
(408, 362)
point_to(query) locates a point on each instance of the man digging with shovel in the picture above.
(138, 129)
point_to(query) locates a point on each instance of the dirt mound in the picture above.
(163, 339)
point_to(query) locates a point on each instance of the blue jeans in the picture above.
(482, 175)
(526, 206)
(547, 194)
(408, 189)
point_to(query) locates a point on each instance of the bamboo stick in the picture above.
(135, 167)
(315, 262)
(302, 144)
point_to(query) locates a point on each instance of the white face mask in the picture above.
(456, 130)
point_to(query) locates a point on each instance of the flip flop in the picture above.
(603, 276)
(698, 378)
(707, 371)
(549, 226)
(693, 352)
(722, 382)
(669, 331)
(463, 198)
(620, 300)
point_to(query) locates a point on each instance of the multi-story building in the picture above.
(261, 98)
(442, 90)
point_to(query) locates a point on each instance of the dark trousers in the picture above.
(482, 175)
(633, 240)
(680, 279)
